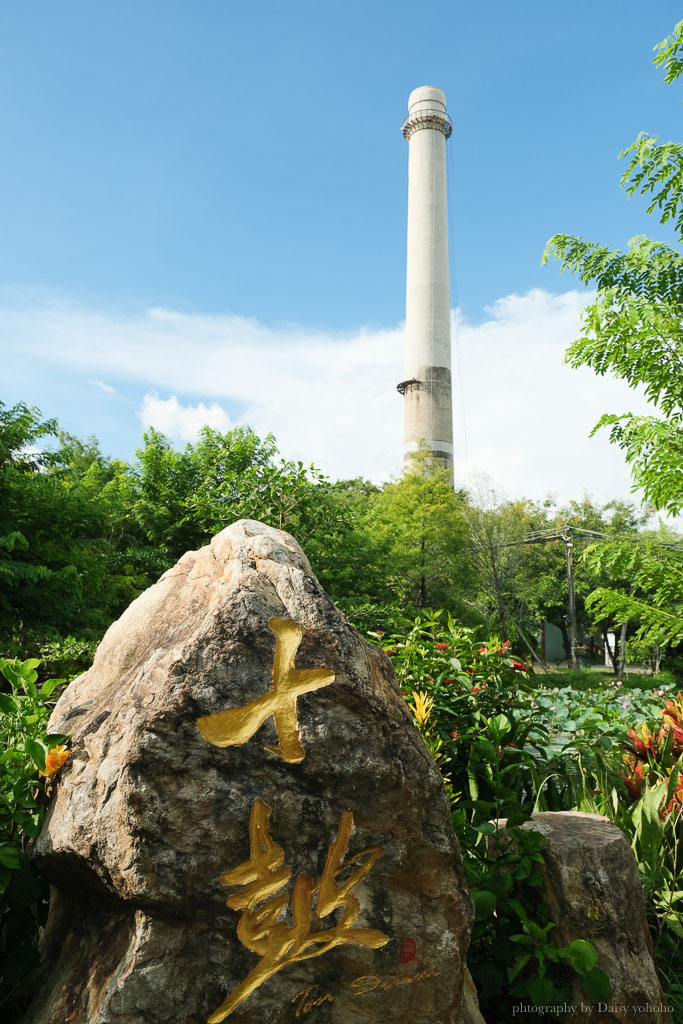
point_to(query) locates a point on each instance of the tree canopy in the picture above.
(634, 328)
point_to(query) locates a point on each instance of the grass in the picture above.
(595, 678)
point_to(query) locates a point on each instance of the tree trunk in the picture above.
(622, 648)
(612, 654)
(502, 613)
(422, 601)
(658, 659)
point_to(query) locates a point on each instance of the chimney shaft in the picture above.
(428, 414)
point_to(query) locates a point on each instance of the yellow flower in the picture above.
(54, 761)
(423, 706)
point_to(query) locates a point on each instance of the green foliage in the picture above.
(420, 534)
(654, 598)
(60, 571)
(509, 743)
(633, 329)
(474, 706)
(24, 747)
(66, 658)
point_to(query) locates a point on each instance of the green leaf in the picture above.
(9, 856)
(582, 955)
(542, 991)
(519, 964)
(47, 687)
(37, 753)
(499, 727)
(675, 923)
(22, 792)
(487, 828)
(25, 888)
(7, 705)
(484, 903)
(517, 818)
(596, 985)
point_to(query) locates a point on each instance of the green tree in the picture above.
(180, 499)
(497, 531)
(634, 331)
(58, 574)
(652, 600)
(419, 526)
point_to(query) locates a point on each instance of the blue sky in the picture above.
(239, 169)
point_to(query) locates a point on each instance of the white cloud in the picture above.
(521, 416)
(105, 387)
(182, 422)
(524, 416)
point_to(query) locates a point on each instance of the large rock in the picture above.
(150, 812)
(593, 890)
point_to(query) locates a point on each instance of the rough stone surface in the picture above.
(469, 1010)
(147, 814)
(593, 890)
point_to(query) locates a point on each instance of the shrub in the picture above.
(474, 704)
(29, 758)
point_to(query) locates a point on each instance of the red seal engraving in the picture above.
(408, 952)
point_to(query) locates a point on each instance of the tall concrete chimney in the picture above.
(428, 413)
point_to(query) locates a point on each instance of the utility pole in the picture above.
(568, 544)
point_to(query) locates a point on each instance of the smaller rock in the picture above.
(593, 890)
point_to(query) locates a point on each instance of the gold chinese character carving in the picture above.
(235, 726)
(261, 928)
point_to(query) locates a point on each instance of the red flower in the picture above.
(454, 734)
(634, 783)
(673, 713)
(676, 802)
(482, 650)
(468, 671)
(441, 647)
(505, 647)
(449, 680)
(476, 689)
(672, 726)
(519, 666)
(642, 741)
